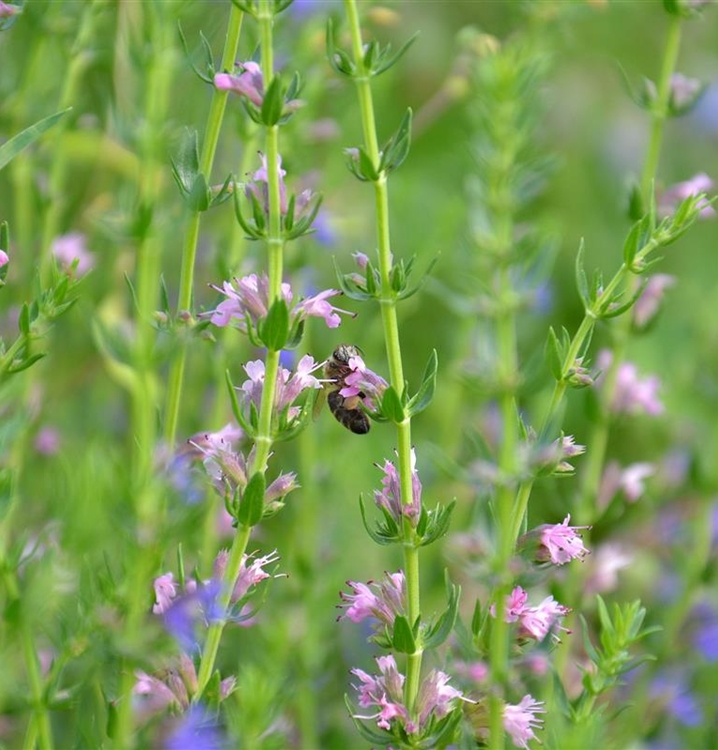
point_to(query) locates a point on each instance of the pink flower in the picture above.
(289, 385)
(632, 394)
(71, 248)
(383, 601)
(249, 82)
(7, 10)
(47, 441)
(165, 593)
(248, 301)
(4, 258)
(649, 302)
(363, 382)
(629, 480)
(520, 721)
(389, 497)
(605, 564)
(435, 700)
(538, 622)
(560, 542)
(670, 198)
(534, 622)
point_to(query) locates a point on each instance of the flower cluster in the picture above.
(228, 468)
(534, 623)
(183, 613)
(632, 394)
(436, 698)
(248, 82)
(521, 720)
(389, 497)
(556, 543)
(248, 303)
(382, 601)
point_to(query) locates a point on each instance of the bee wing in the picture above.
(320, 400)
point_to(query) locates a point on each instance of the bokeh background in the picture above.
(75, 495)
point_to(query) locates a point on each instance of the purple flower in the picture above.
(165, 592)
(520, 721)
(382, 601)
(436, 697)
(671, 689)
(249, 82)
(629, 480)
(648, 304)
(251, 571)
(71, 249)
(288, 387)
(248, 300)
(705, 635)
(670, 198)
(534, 622)
(197, 730)
(47, 441)
(559, 543)
(632, 394)
(198, 607)
(389, 497)
(363, 382)
(8, 10)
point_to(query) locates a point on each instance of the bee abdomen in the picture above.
(353, 419)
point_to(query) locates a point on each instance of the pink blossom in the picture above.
(560, 542)
(383, 601)
(71, 248)
(47, 441)
(7, 10)
(607, 561)
(632, 394)
(248, 301)
(389, 497)
(649, 302)
(435, 700)
(670, 198)
(318, 306)
(4, 258)
(165, 592)
(249, 82)
(363, 382)
(520, 721)
(629, 480)
(538, 622)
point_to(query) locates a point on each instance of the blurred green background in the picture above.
(588, 125)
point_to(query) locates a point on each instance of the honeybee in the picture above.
(347, 411)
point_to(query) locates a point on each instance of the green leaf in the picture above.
(23, 322)
(425, 394)
(10, 149)
(554, 354)
(385, 64)
(402, 638)
(251, 506)
(391, 406)
(384, 536)
(273, 103)
(397, 149)
(338, 59)
(185, 164)
(236, 409)
(444, 626)
(274, 329)
(581, 279)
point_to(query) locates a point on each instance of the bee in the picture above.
(347, 411)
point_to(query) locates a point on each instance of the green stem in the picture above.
(40, 716)
(145, 393)
(215, 117)
(214, 633)
(81, 58)
(598, 441)
(265, 428)
(392, 342)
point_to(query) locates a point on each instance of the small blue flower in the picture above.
(198, 730)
